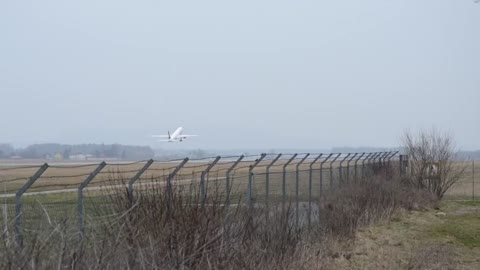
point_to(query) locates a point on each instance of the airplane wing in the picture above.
(160, 136)
(186, 136)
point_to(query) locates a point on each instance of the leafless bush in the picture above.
(432, 161)
(367, 202)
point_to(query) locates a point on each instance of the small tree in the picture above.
(433, 163)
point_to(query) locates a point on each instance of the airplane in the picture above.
(176, 136)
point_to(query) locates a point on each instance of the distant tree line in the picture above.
(163, 154)
(6, 150)
(65, 151)
(360, 149)
(469, 155)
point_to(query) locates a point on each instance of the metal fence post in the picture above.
(384, 164)
(81, 207)
(373, 157)
(203, 190)
(227, 179)
(374, 160)
(250, 180)
(284, 180)
(356, 165)
(340, 170)
(402, 167)
(363, 164)
(310, 176)
(297, 189)
(384, 158)
(379, 164)
(331, 171)
(135, 178)
(169, 181)
(379, 157)
(390, 157)
(267, 180)
(473, 180)
(18, 203)
(348, 166)
(228, 189)
(321, 174)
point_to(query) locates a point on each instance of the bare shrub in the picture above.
(47, 248)
(157, 229)
(432, 257)
(432, 158)
(360, 204)
(179, 230)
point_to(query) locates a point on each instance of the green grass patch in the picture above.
(464, 228)
(469, 203)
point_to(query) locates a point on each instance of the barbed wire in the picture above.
(64, 176)
(73, 166)
(299, 156)
(20, 167)
(328, 158)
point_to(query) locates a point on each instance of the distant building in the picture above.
(80, 157)
(58, 156)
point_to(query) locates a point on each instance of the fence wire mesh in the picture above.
(63, 193)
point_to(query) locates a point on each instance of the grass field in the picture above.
(446, 238)
(464, 188)
(58, 178)
(64, 204)
(69, 177)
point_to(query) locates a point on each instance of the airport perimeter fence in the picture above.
(80, 194)
(467, 188)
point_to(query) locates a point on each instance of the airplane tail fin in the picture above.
(169, 135)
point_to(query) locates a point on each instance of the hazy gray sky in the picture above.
(242, 74)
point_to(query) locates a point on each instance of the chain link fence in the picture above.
(468, 187)
(78, 194)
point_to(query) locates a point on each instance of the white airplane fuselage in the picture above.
(176, 135)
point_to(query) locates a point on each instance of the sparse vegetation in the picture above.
(463, 227)
(432, 163)
(176, 231)
(435, 256)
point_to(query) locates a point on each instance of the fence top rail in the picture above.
(17, 172)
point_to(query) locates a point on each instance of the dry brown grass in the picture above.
(464, 187)
(434, 257)
(69, 177)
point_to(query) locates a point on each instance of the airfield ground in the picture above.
(67, 176)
